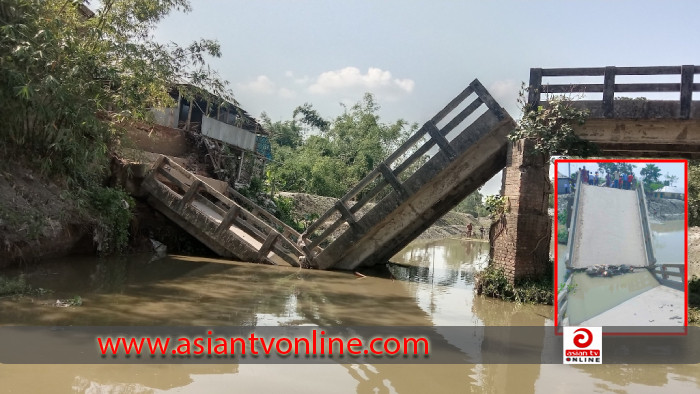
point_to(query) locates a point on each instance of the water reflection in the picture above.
(595, 295)
(669, 243)
(432, 286)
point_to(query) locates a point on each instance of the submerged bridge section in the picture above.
(414, 186)
(230, 228)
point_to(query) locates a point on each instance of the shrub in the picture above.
(563, 235)
(494, 283)
(113, 208)
(694, 300)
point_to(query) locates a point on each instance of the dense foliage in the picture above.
(335, 155)
(473, 205)
(622, 168)
(68, 77)
(551, 128)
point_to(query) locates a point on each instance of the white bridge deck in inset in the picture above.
(608, 228)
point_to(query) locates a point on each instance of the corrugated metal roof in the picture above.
(670, 189)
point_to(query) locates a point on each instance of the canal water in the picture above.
(432, 286)
(592, 296)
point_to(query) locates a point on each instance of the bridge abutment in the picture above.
(520, 239)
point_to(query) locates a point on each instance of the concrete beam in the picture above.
(642, 128)
(434, 189)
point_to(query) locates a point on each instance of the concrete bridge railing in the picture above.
(672, 275)
(390, 176)
(646, 228)
(643, 127)
(609, 87)
(223, 225)
(572, 223)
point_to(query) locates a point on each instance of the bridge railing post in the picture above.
(609, 92)
(189, 195)
(534, 89)
(687, 75)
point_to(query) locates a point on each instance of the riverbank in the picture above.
(694, 275)
(39, 219)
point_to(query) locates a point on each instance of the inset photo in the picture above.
(620, 250)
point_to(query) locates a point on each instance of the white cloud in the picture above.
(262, 85)
(506, 94)
(297, 80)
(286, 93)
(375, 80)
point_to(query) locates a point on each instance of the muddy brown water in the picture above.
(593, 296)
(435, 290)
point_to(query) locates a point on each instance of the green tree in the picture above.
(651, 174)
(68, 77)
(622, 168)
(311, 117)
(339, 155)
(670, 180)
(473, 205)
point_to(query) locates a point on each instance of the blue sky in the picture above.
(417, 55)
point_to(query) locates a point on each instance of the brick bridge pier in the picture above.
(520, 239)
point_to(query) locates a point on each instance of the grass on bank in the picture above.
(493, 282)
(694, 301)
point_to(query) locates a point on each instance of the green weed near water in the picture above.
(12, 286)
(694, 301)
(493, 282)
(18, 286)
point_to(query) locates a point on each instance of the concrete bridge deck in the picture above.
(216, 220)
(608, 228)
(418, 188)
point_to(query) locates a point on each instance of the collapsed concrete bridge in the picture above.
(448, 158)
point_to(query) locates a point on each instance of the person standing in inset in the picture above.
(630, 178)
(620, 183)
(596, 180)
(469, 230)
(584, 175)
(482, 231)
